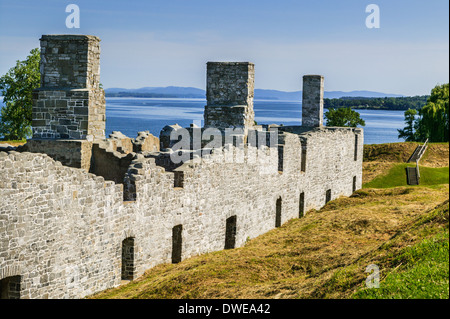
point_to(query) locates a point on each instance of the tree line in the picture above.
(379, 103)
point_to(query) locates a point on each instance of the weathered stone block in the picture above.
(37, 122)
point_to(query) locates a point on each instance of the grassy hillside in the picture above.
(403, 230)
(414, 263)
(424, 272)
(380, 158)
(436, 155)
(319, 256)
(396, 176)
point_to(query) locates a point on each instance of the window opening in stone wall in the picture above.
(301, 205)
(10, 287)
(178, 179)
(280, 157)
(128, 266)
(354, 184)
(230, 232)
(328, 196)
(356, 148)
(177, 241)
(303, 160)
(278, 213)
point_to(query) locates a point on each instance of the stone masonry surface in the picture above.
(77, 222)
(312, 101)
(229, 94)
(70, 104)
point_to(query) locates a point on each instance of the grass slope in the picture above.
(424, 273)
(325, 253)
(396, 176)
(401, 229)
(436, 155)
(305, 258)
(413, 263)
(380, 158)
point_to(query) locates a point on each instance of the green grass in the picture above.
(396, 176)
(413, 264)
(321, 255)
(422, 272)
(13, 142)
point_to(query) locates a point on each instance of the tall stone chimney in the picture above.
(229, 93)
(69, 104)
(69, 112)
(312, 100)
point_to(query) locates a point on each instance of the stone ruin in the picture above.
(80, 213)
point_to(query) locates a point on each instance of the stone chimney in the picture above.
(229, 93)
(312, 101)
(69, 104)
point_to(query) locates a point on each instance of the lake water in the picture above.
(131, 115)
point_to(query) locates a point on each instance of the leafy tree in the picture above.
(408, 133)
(16, 87)
(343, 117)
(434, 116)
(433, 120)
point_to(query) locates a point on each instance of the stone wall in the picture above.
(68, 114)
(119, 142)
(67, 233)
(110, 164)
(73, 153)
(146, 142)
(55, 225)
(62, 229)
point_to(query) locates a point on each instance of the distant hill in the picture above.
(262, 94)
(338, 94)
(169, 91)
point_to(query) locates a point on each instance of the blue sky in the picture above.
(162, 43)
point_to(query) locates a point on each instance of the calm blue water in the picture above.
(131, 115)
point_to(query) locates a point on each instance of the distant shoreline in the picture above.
(166, 97)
